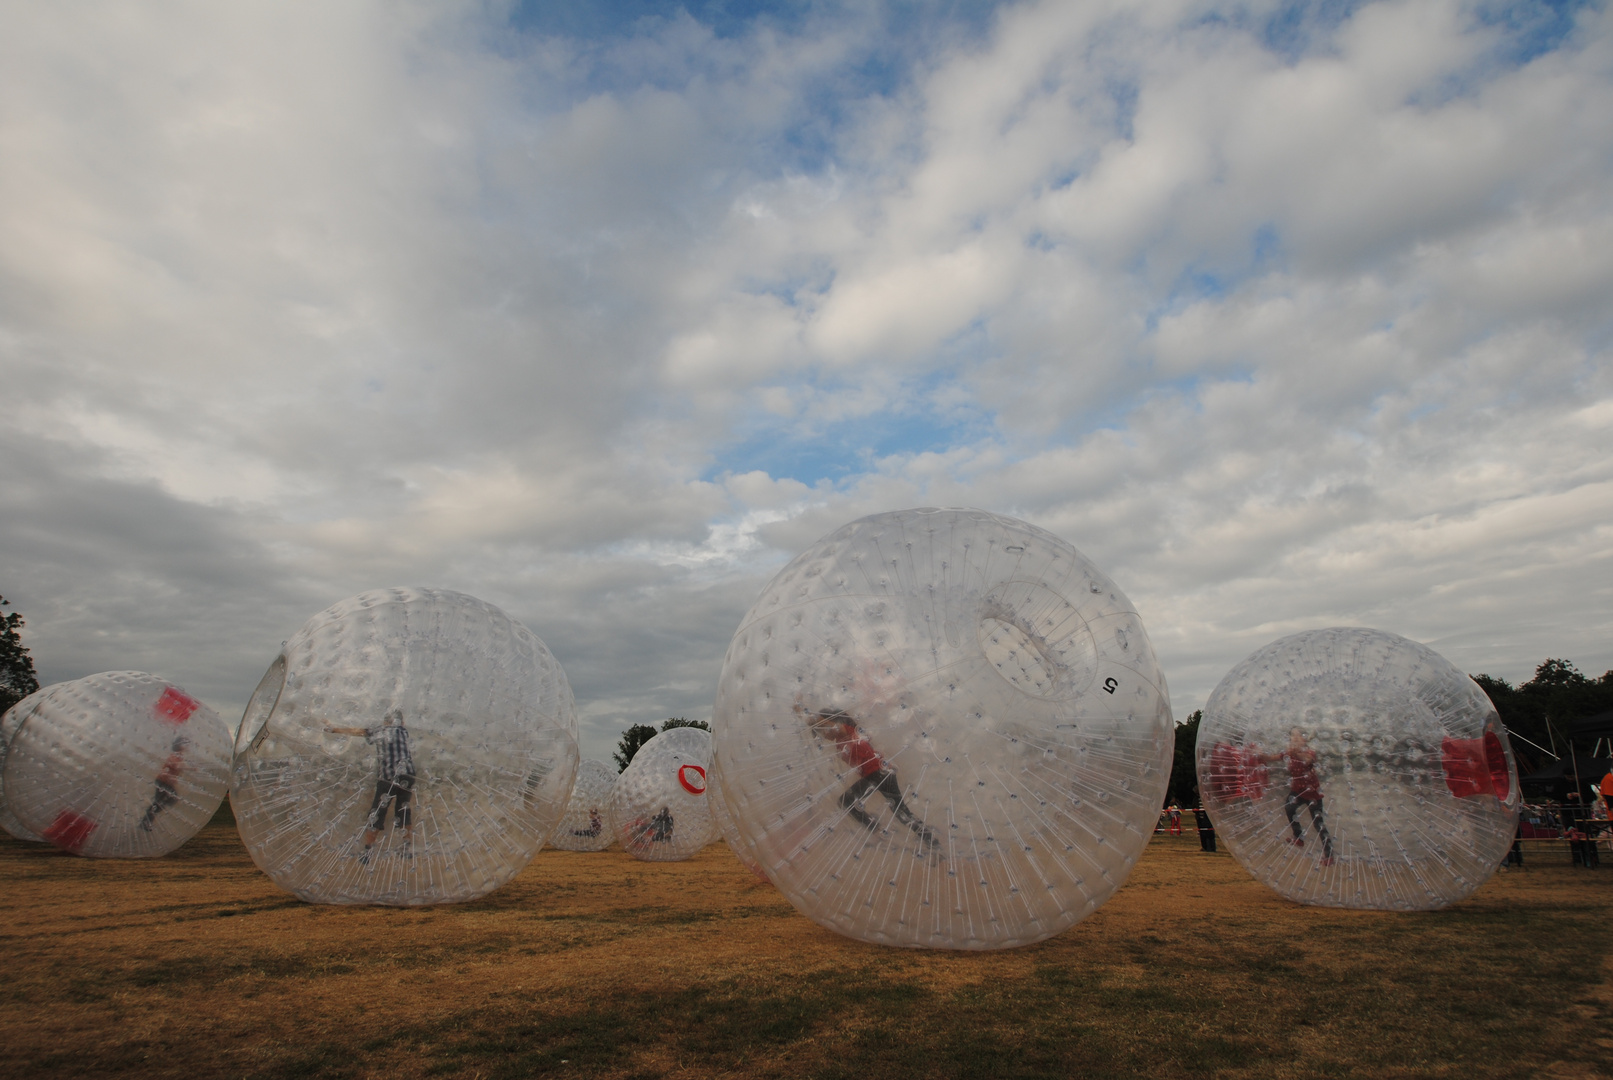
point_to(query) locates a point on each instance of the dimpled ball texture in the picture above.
(338, 805)
(658, 809)
(1353, 768)
(8, 727)
(121, 765)
(584, 826)
(943, 729)
(728, 829)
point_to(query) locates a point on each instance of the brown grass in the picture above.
(597, 965)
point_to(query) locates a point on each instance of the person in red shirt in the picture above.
(873, 774)
(1304, 789)
(167, 789)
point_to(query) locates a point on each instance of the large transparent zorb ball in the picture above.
(1354, 768)
(9, 723)
(408, 746)
(658, 809)
(943, 728)
(116, 765)
(584, 826)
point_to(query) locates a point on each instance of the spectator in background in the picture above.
(1576, 824)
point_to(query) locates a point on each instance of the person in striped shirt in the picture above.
(394, 779)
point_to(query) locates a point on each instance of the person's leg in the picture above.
(891, 788)
(377, 818)
(402, 817)
(1291, 808)
(1321, 827)
(161, 799)
(855, 795)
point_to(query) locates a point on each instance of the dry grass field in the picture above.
(596, 965)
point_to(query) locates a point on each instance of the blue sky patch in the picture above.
(845, 449)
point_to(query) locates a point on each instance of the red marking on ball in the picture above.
(70, 831)
(683, 778)
(175, 706)
(1476, 766)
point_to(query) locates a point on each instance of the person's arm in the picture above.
(358, 731)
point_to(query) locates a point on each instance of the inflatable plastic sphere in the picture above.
(658, 809)
(8, 727)
(728, 829)
(584, 826)
(120, 765)
(943, 728)
(408, 746)
(1354, 768)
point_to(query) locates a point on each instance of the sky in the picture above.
(1286, 314)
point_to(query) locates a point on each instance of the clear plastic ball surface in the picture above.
(1353, 768)
(658, 809)
(8, 727)
(407, 746)
(728, 829)
(585, 826)
(120, 765)
(943, 729)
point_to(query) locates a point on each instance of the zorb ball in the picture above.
(584, 827)
(658, 809)
(407, 746)
(945, 729)
(1354, 768)
(117, 765)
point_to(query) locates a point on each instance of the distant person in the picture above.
(657, 830)
(167, 788)
(1175, 813)
(596, 824)
(1304, 789)
(1576, 823)
(394, 779)
(1206, 828)
(874, 775)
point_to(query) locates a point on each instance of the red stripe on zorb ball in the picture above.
(69, 831)
(683, 778)
(175, 706)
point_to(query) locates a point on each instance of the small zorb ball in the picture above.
(584, 826)
(943, 729)
(116, 765)
(658, 809)
(1353, 768)
(407, 746)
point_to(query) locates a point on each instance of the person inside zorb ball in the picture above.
(582, 828)
(945, 729)
(659, 811)
(1354, 768)
(407, 746)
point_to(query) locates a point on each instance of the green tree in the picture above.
(639, 734)
(1184, 787)
(17, 677)
(1539, 710)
